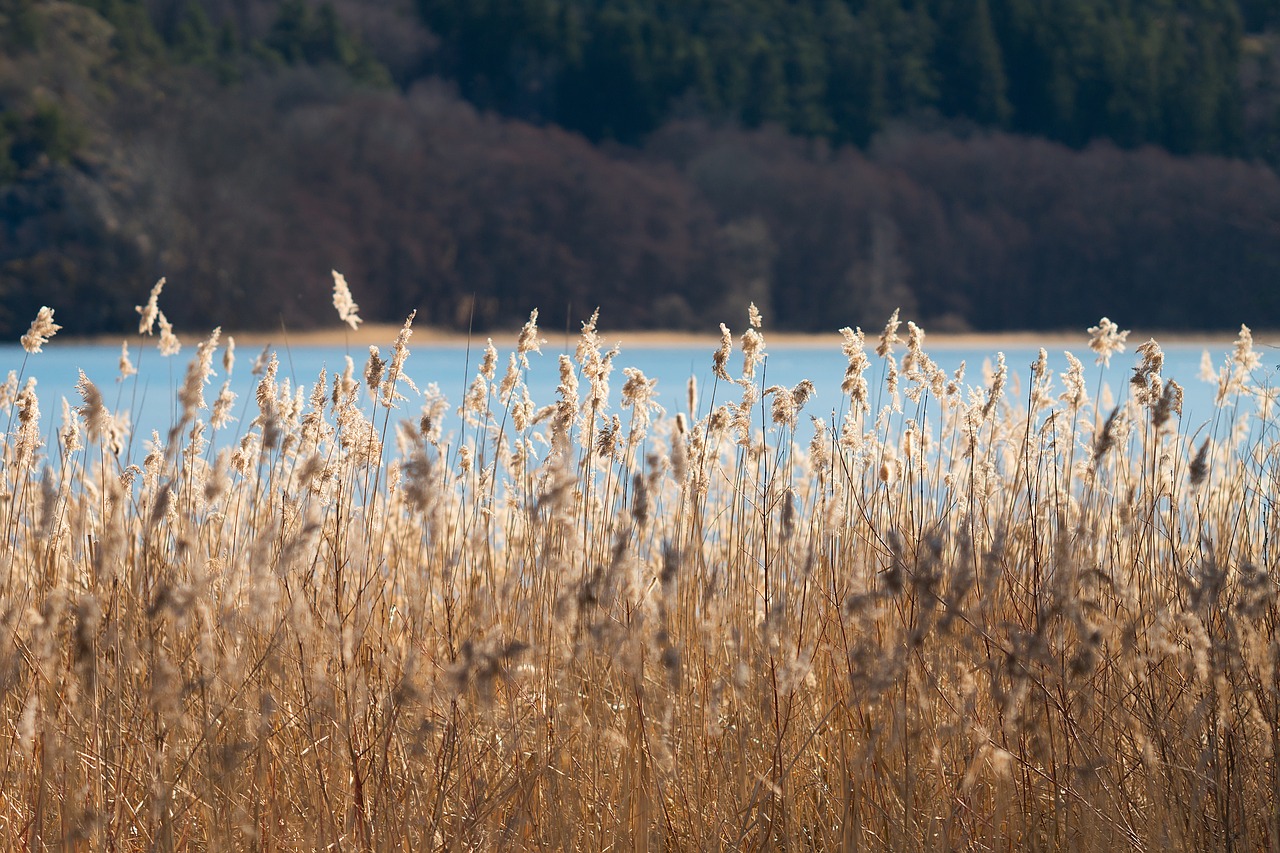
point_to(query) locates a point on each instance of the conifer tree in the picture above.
(970, 65)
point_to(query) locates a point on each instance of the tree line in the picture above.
(244, 148)
(1137, 72)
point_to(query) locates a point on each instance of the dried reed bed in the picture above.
(954, 614)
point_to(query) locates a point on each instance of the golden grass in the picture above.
(944, 617)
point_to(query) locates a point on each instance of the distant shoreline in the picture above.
(384, 334)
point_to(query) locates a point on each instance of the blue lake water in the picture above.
(151, 399)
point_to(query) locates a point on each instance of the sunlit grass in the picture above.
(956, 613)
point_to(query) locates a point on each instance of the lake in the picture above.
(151, 400)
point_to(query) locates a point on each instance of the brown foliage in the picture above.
(250, 195)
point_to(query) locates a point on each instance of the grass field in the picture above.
(963, 612)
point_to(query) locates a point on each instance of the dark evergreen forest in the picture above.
(983, 164)
(1162, 72)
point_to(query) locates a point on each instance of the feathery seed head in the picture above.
(820, 446)
(855, 380)
(720, 361)
(98, 420)
(70, 432)
(473, 401)
(1199, 467)
(753, 352)
(344, 383)
(529, 341)
(42, 329)
(891, 381)
(1106, 438)
(680, 450)
(783, 408)
(169, 343)
(997, 386)
(191, 395)
(802, 392)
(889, 466)
(637, 392)
(1106, 339)
(1076, 394)
(1148, 386)
(9, 391)
(28, 438)
(489, 363)
(1170, 402)
(267, 397)
(1152, 357)
(957, 378)
(342, 301)
(522, 411)
(221, 414)
(567, 390)
(260, 362)
(150, 311)
(1207, 373)
(1243, 355)
(889, 336)
(588, 347)
(509, 379)
(373, 369)
(126, 366)
(597, 369)
(1040, 365)
(395, 373)
(915, 349)
(787, 403)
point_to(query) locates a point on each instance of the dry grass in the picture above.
(941, 618)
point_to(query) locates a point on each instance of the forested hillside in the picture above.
(983, 164)
(1157, 71)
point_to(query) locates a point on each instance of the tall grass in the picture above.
(950, 615)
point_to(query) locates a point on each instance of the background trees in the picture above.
(990, 164)
(1152, 71)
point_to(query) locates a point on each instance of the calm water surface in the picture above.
(151, 400)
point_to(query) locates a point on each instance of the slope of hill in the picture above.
(243, 149)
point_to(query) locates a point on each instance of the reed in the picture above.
(947, 616)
